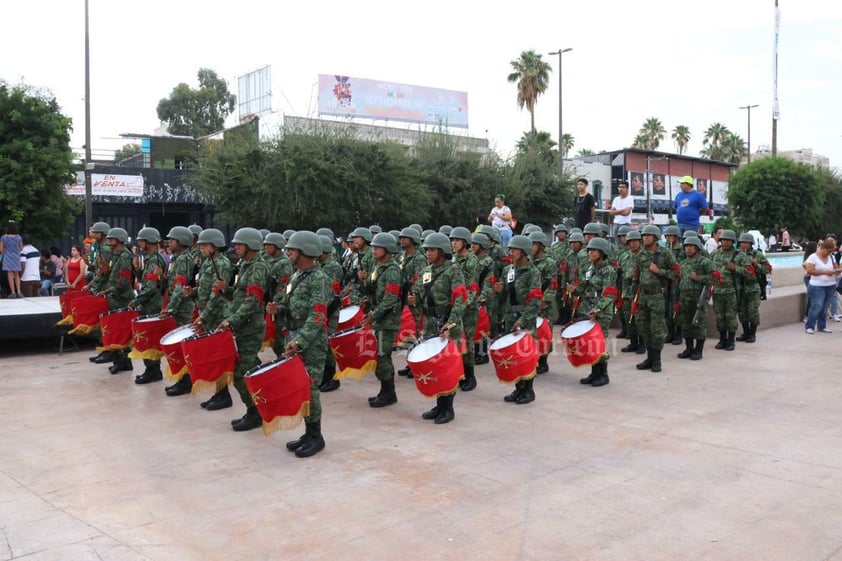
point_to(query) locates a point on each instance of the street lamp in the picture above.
(748, 108)
(560, 128)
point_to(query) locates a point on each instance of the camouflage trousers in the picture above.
(725, 309)
(651, 319)
(469, 322)
(249, 341)
(330, 360)
(688, 301)
(750, 308)
(314, 361)
(630, 322)
(385, 367)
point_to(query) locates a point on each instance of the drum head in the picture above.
(178, 335)
(345, 332)
(577, 329)
(264, 368)
(147, 319)
(347, 314)
(427, 350)
(506, 340)
(117, 311)
(540, 322)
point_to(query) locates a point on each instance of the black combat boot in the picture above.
(634, 343)
(481, 352)
(470, 381)
(387, 395)
(434, 412)
(676, 335)
(688, 348)
(328, 383)
(751, 336)
(181, 387)
(294, 445)
(641, 346)
(313, 444)
(404, 372)
(744, 335)
(592, 376)
(104, 357)
(512, 397)
(723, 340)
(656, 361)
(152, 373)
(528, 394)
(251, 420)
(646, 364)
(729, 342)
(543, 367)
(220, 400)
(122, 363)
(602, 375)
(697, 350)
(446, 413)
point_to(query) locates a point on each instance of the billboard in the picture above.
(254, 92)
(107, 185)
(345, 96)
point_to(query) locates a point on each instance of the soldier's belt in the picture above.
(653, 290)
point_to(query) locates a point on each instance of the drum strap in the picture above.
(432, 307)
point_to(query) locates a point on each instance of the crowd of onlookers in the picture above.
(823, 277)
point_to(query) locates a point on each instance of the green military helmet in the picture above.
(623, 230)
(690, 234)
(276, 239)
(396, 234)
(327, 243)
(728, 235)
(118, 234)
(195, 229)
(363, 233)
(288, 233)
(694, 241)
(375, 229)
(651, 230)
(522, 243)
(746, 237)
(212, 236)
(182, 235)
(438, 241)
(539, 237)
(264, 232)
(486, 229)
(386, 241)
(250, 237)
(526, 226)
(425, 234)
(480, 239)
(604, 228)
(446, 229)
(101, 227)
(560, 228)
(461, 233)
(325, 232)
(576, 237)
(532, 228)
(412, 234)
(349, 238)
(495, 235)
(306, 242)
(592, 228)
(149, 235)
(633, 235)
(576, 230)
(672, 231)
(601, 244)
(417, 228)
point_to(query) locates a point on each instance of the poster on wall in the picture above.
(719, 192)
(637, 183)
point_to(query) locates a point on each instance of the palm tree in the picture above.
(715, 134)
(681, 137)
(531, 75)
(641, 142)
(539, 143)
(586, 152)
(567, 142)
(733, 148)
(654, 132)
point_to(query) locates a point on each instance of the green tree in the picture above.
(36, 163)
(733, 149)
(531, 75)
(712, 142)
(681, 137)
(126, 151)
(567, 143)
(199, 112)
(830, 217)
(586, 152)
(641, 142)
(539, 144)
(653, 131)
(772, 192)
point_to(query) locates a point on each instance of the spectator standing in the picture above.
(712, 243)
(75, 269)
(47, 272)
(809, 249)
(10, 248)
(786, 240)
(773, 243)
(689, 205)
(30, 276)
(823, 273)
(58, 260)
(500, 218)
(621, 208)
(836, 257)
(584, 204)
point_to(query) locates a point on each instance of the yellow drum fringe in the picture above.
(148, 354)
(286, 423)
(356, 373)
(205, 386)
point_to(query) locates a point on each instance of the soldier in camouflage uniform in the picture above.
(501, 259)
(654, 268)
(180, 305)
(211, 300)
(519, 297)
(598, 293)
(364, 265)
(245, 316)
(119, 287)
(383, 294)
(99, 259)
(441, 294)
(548, 268)
(488, 274)
(280, 270)
(695, 277)
(411, 262)
(729, 265)
(620, 258)
(460, 241)
(749, 311)
(149, 299)
(694, 234)
(560, 252)
(333, 270)
(672, 242)
(571, 267)
(631, 294)
(308, 294)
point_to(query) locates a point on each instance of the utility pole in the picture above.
(775, 108)
(560, 128)
(89, 205)
(749, 108)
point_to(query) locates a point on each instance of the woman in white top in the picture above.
(823, 274)
(501, 218)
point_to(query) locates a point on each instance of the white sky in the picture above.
(690, 63)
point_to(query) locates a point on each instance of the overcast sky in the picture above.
(686, 63)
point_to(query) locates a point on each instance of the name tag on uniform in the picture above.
(428, 276)
(511, 276)
(588, 273)
(289, 287)
(374, 276)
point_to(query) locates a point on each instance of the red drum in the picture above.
(171, 346)
(86, 310)
(210, 358)
(583, 342)
(436, 365)
(515, 357)
(345, 301)
(116, 329)
(545, 336)
(350, 316)
(483, 325)
(147, 332)
(407, 330)
(281, 391)
(66, 303)
(355, 351)
(269, 333)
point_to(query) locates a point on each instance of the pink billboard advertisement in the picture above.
(345, 96)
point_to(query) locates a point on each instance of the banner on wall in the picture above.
(107, 185)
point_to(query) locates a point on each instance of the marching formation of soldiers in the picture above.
(448, 280)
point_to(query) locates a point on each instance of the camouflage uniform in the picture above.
(101, 256)
(597, 293)
(149, 301)
(627, 262)
(280, 271)
(469, 266)
(448, 298)
(672, 324)
(120, 281)
(212, 302)
(751, 290)
(180, 273)
(689, 291)
(725, 297)
(384, 304)
(411, 266)
(651, 314)
(333, 271)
